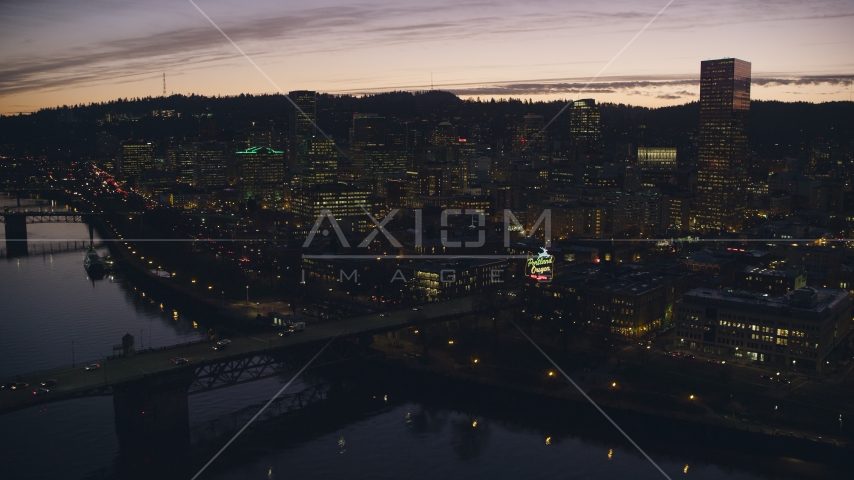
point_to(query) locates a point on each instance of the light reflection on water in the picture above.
(48, 302)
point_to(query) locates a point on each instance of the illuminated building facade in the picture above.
(797, 330)
(302, 130)
(376, 156)
(435, 281)
(585, 132)
(340, 200)
(318, 162)
(262, 174)
(528, 135)
(210, 169)
(136, 157)
(661, 158)
(724, 110)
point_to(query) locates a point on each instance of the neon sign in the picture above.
(541, 267)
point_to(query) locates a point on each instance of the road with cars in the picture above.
(71, 382)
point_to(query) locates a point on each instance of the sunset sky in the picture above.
(58, 52)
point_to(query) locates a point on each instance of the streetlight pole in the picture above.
(223, 299)
(247, 294)
(72, 354)
(105, 370)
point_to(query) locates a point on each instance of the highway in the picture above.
(77, 380)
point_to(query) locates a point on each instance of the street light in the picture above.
(247, 293)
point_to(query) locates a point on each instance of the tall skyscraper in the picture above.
(261, 175)
(657, 166)
(318, 162)
(585, 131)
(184, 162)
(302, 128)
(377, 153)
(135, 157)
(527, 137)
(368, 137)
(210, 169)
(724, 109)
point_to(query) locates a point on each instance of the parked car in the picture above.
(93, 366)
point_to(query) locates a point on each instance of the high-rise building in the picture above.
(528, 136)
(377, 153)
(136, 156)
(207, 127)
(302, 129)
(368, 136)
(445, 135)
(724, 109)
(342, 201)
(262, 174)
(657, 166)
(318, 162)
(662, 158)
(585, 131)
(211, 166)
(185, 163)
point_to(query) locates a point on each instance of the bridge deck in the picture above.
(76, 381)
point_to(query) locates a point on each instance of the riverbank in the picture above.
(441, 371)
(664, 432)
(211, 313)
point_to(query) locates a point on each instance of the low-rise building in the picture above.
(433, 281)
(773, 281)
(797, 330)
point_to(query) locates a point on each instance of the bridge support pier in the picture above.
(16, 234)
(153, 407)
(90, 222)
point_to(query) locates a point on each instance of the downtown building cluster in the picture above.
(285, 175)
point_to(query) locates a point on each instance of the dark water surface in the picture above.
(47, 302)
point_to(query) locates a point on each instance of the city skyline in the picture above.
(544, 51)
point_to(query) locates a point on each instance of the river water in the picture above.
(52, 314)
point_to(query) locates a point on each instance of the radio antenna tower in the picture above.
(164, 84)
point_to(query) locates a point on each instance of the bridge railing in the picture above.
(81, 364)
(46, 372)
(355, 331)
(160, 349)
